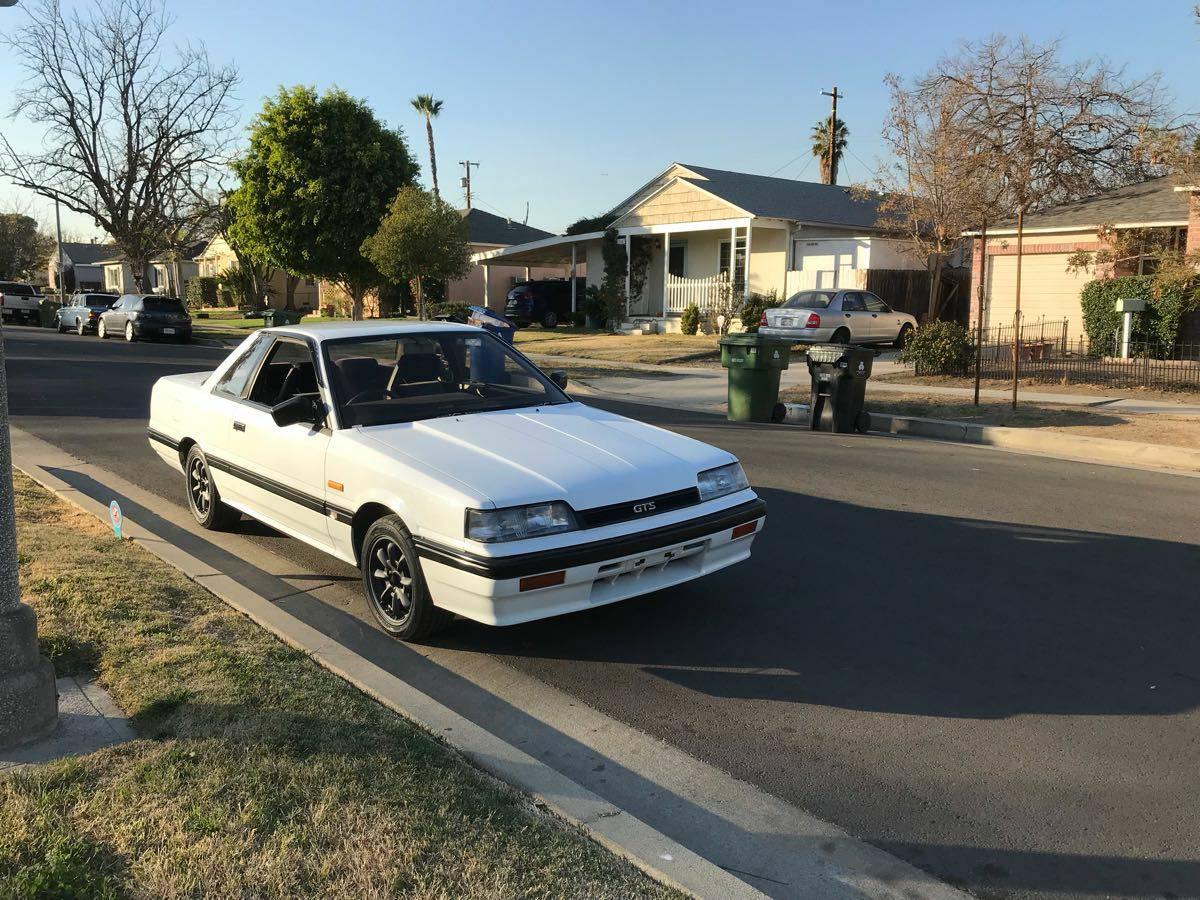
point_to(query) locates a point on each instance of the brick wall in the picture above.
(1193, 229)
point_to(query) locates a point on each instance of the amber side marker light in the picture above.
(533, 582)
(743, 530)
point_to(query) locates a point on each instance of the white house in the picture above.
(695, 229)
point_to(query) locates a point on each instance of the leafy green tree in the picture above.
(421, 237)
(315, 183)
(820, 148)
(429, 107)
(24, 251)
(612, 285)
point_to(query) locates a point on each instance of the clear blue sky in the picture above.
(570, 105)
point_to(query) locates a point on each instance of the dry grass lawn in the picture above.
(256, 773)
(1041, 387)
(658, 349)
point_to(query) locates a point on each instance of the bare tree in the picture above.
(132, 128)
(1057, 131)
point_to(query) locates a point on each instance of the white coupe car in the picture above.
(457, 476)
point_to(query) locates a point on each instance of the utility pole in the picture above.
(61, 271)
(832, 131)
(28, 699)
(466, 181)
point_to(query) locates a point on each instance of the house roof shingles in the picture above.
(485, 228)
(87, 254)
(1155, 200)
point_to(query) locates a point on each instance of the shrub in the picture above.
(752, 310)
(689, 322)
(457, 311)
(939, 348)
(578, 319)
(594, 306)
(202, 292)
(1168, 300)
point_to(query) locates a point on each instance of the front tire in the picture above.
(394, 583)
(102, 331)
(550, 319)
(130, 337)
(901, 340)
(80, 328)
(203, 499)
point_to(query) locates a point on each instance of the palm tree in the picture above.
(427, 106)
(820, 147)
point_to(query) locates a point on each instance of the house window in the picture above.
(739, 275)
(677, 263)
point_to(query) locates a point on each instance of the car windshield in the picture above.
(810, 300)
(162, 304)
(383, 380)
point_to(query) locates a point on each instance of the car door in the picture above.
(284, 466)
(885, 324)
(855, 317)
(114, 319)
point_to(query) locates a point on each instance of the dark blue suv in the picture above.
(545, 302)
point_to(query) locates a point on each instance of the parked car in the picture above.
(146, 316)
(458, 477)
(19, 302)
(545, 302)
(838, 317)
(82, 312)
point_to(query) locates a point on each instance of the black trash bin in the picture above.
(839, 387)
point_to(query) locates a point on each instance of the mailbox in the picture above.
(1131, 304)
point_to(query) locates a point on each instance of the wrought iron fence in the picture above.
(1041, 331)
(1056, 360)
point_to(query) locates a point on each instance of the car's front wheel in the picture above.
(550, 319)
(203, 499)
(394, 584)
(80, 328)
(129, 335)
(902, 338)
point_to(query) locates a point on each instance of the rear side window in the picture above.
(233, 382)
(17, 289)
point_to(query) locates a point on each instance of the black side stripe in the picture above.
(162, 438)
(522, 564)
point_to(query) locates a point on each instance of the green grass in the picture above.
(256, 773)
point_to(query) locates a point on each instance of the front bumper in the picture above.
(488, 589)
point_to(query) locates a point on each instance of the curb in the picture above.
(623, 834)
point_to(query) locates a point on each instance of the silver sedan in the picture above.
(838, 317)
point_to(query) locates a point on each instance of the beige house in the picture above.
(486, 233)
(217, 257)
(1049, 289)
(698, 233)
(163, 275)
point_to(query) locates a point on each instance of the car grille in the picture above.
(636, 509)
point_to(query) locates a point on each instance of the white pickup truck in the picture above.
(456, 475)
(19, 302)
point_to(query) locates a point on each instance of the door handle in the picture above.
(874, 315)
(239, 426)
(847, 315)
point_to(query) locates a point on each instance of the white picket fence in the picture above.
(704, 292)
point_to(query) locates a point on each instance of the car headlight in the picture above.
(516, 522)
(721, 481)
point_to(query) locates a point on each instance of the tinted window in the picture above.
(17, 289)
(162, 304)
(409, 377)
(97, 301)
(233, 382)
(810, 300)
(874, 304)
(852, 302)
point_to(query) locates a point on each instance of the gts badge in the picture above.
(642, 508)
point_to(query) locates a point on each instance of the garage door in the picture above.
(1047, 290)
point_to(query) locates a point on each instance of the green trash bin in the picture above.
(754, 362)
(48, 308)
(275, 317)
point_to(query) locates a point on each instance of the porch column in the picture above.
(487, 276)
(628, 270)
(527, 273)
(749, 231)
(666, 269)
(787, 260)
(573, 303)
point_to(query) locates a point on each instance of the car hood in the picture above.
(570, 452)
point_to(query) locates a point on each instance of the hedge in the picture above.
(939, 348)
(202, 292)
(1166, 305)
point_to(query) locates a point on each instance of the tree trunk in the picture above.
(290, 290)
(432, 157)
(137, 269)
(356, 303)
(935, 287)
(1017, 311)
(420, 298)
(28, 699)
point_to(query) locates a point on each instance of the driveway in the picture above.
(983, 662)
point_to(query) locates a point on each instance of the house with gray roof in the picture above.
(1050, 287)
(82, 265)
(694, 233)
(488, 233)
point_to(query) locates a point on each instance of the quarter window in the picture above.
(233, 382)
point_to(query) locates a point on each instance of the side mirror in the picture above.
(302, 408)
(559, 377)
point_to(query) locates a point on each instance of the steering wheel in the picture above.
(478, 387)
(368, 395)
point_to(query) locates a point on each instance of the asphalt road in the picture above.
(986, 663)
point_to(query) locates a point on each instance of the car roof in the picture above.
(326, 331)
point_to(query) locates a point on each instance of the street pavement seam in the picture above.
(787, 852)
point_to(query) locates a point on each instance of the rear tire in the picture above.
(394, 584)
(901, 340)
(102, 331)
(841, 336)
(203, 498)
(550, 320)
(62, 329)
